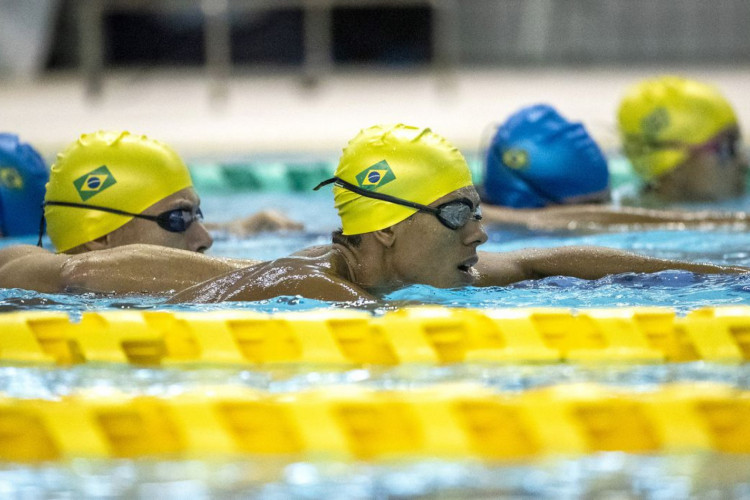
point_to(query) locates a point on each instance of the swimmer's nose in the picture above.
(200, 239)
(475, 233)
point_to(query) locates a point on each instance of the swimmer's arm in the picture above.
(288, 276)
(264, 221)
(31, 268)
(126, 269)
(142, 269)
(586, 262)
(581, 216)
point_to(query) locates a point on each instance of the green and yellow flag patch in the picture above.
(375, 176)
(94, 182)
(10, 178)
(515, 158)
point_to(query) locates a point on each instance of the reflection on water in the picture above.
(600, 475)
(44, 382)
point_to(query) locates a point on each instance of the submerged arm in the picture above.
(266, 220)
(586, 262)
(581, 216)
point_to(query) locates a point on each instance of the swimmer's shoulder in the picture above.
(314, 251)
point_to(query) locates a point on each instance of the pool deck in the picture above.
(274, 112)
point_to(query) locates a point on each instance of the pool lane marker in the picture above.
(451, 421)
(432, 335)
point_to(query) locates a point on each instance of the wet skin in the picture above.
(418, 250)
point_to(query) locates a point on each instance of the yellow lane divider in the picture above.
(409, 335)
(444, 420)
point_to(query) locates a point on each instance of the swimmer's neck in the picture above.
(363, 267)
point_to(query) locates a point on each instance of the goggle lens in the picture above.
(178, 220)
(456, 214)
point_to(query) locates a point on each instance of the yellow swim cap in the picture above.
(669, 109)
(108, 169)
(410, 163)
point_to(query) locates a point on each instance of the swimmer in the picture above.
(683, 139)
(410, 215)
(23, 175)
(544, 172)
(123, 214)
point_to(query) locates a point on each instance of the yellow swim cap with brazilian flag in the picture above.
(408, 163)
(116, 170)
(670, 111)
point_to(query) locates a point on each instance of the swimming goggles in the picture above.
(177, 220)
(725, 146)
(454, 214)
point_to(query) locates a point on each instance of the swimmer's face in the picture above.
(426, 252)
(195, 238)
(712, 173)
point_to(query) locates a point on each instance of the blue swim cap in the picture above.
(538, 158)
(23, 176)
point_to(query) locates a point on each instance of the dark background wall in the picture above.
(392, 36)
(491, 32)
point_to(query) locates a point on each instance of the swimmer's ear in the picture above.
(100, 243)
(386, 236)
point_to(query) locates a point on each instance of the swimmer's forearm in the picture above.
(589, 262)
(586, 262)
(639, 215)
(264, 221)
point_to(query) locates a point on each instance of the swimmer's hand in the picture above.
(264, 221)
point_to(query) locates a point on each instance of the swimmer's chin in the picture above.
(467, 276)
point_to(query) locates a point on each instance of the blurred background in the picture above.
(216, 77)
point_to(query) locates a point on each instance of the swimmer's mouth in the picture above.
(467, 265)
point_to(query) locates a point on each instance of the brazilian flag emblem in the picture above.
(10, 178)
(516, 159)
(94, 182)
(375, 176)
(656, 121)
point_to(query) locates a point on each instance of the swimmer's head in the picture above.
(538, 158)
(117, 170)
(660, 118)
(23, 175)
(409, 163)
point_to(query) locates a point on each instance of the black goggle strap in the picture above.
(90, 207)
(378, 196)
(162, 221)
(533, 187)
(41, 228)
(436, 211)
(726, 140)
(101, 209)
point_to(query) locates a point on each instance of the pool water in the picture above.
(682, 290)
(611, 475)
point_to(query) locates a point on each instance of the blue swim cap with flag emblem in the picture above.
(538, 158)
(23, 175)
